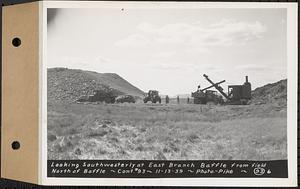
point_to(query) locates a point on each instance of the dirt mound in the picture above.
(271, 93)
(70, 84)
(114, 81)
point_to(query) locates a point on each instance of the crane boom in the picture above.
(213, 85)
(216, 85)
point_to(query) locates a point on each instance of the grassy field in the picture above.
(166, 132)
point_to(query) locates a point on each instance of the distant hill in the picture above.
(69, 84)
(271, 93)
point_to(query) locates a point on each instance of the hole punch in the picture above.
(15, 145)
(16, 42)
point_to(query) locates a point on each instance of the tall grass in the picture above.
(184, 131)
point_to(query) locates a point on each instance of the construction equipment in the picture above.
(237, 94)
(100, 95)
(202, 96)
(216, 85)
(240, 94)
(125, 98)
(152, 96)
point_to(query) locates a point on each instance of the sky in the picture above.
(169, 50)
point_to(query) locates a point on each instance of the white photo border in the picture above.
(292, 78)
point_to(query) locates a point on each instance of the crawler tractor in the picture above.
(152, 96)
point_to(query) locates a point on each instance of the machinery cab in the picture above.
(152, 93)
(210, 93)
(152, 96)
(240, 94)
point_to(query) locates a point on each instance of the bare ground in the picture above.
(166, 132)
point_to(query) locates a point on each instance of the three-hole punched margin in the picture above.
(16, 42)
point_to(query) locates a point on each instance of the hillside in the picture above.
(271, 93)
(69, 84)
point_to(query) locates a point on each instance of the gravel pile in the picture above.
(68, 85)
(271, 93)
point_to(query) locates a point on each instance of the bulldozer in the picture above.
(237, 94)
(152, 96)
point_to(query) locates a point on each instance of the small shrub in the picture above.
(97, 133)
(102, 151)
(192, 137)
(159, 156)
(51, 137)
(140, 148)
(77, 151)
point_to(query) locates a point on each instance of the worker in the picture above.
(177, 99)
(167, 99)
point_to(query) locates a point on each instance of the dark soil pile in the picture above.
(271, 93)
(69, 84)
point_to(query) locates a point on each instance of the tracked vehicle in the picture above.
(152, 96)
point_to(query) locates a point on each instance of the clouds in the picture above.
(165, 54)
(261, 69)
(170, 49)
(180, 67)
(253, 67)
(195, 36)
(230, 32)
(184, 45)
(134, 40)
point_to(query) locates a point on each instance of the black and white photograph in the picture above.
(170, 90)
(177, 84)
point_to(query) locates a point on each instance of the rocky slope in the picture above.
(69, 84)
(271, 93)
